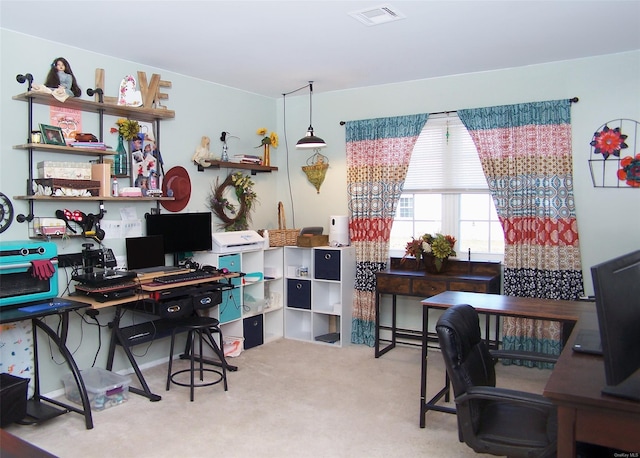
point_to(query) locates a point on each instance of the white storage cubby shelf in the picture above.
(319, 294)
(253, 311)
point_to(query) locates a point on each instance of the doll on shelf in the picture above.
(60, 82)
(202, 155)
(61, 76)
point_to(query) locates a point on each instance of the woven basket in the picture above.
(283, 236)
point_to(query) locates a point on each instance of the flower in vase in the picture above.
(128, 128)
(271, 139)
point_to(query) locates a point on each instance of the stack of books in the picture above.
(247, 159)
(93, 145)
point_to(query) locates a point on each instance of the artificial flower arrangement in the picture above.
(128, 128)
(629, 170)
(271, 139)
(439, 246)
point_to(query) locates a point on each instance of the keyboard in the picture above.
(185, 277)
(107, 288)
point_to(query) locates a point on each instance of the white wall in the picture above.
(607, 86)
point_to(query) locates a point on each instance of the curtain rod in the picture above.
(572, 100)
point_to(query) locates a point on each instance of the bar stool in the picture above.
(203, 328)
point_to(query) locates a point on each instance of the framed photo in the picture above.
(52, 135)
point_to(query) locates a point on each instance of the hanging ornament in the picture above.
(316, 169)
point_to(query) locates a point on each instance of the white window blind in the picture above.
(445, 163)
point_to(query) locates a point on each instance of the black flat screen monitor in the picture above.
(616, 285)
(144, 252)
(182, 232)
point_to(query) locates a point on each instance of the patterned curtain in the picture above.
(525, 151)
(378, 153)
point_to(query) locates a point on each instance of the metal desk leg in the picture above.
(431, 404)
(60, 343)
(117, 337)
(379, 352)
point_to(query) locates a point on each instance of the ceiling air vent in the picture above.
(377, 15)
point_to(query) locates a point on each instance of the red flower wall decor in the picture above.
(609, 142)
(629, 170)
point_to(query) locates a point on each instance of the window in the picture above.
(446, 191)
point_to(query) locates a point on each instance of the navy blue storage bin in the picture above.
(327, 264)
(299, 293)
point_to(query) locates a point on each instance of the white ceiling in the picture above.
(274, 47)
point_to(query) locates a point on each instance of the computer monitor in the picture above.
(616, 285)
(145, 252)
(182, 232)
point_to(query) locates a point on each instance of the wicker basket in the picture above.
(283, 236)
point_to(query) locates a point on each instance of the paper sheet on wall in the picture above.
(117, 229)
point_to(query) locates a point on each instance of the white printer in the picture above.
(236, 241)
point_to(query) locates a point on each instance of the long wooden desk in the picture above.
(567, 312)
(128, 337)
(584, 414)
(401, 279)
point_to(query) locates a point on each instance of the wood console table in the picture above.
(401, 279)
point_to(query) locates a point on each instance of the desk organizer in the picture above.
(104, 388)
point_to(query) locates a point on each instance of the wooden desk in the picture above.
(567, 312)
(584, 414)
(130, 336)
(400, 280)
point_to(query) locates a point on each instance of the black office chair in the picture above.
(491, 420)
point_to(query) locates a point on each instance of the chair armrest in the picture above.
(524, 355)
(503, 394)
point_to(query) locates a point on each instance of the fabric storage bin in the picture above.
(299, 294)
(327, 264)
(253, 331)
(104, 388)
(65, 170)
(13, 399)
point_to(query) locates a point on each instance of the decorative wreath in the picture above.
(233, 219)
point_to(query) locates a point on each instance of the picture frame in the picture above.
(52, 135)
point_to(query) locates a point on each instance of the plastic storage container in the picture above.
(104, 388)
(13, 398)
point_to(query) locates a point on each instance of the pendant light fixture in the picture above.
(310, 141)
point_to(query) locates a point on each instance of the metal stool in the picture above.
(203, 327)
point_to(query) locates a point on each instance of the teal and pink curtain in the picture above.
(525, 151)
(378, 153)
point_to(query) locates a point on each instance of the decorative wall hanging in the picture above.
(316, 169)
(232, 217)
(615, 160)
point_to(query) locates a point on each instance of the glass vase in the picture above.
(121, 159)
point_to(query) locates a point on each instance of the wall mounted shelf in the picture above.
(255, 168)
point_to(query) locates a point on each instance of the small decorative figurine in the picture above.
(202, 154)
(61, 76)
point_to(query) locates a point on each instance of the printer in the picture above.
(236, 241)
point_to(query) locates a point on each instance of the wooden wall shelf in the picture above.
(77, 103)
(255, 168)
(65, 149)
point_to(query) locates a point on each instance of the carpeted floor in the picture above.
(288, 399)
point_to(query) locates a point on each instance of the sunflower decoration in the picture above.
(609, 142)
(128, 128)
(271, 139)
(629, 170)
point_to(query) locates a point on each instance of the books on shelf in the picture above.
(246, 159)
(92, 145)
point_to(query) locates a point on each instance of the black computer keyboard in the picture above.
(185, 277)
